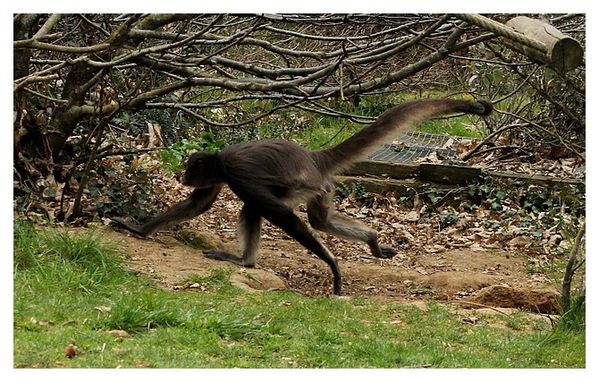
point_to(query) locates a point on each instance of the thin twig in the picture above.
(571, 267)
(479, 305)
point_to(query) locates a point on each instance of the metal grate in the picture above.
(414, 145)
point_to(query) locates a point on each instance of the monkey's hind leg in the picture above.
(271, 208)
(323, 218)
(249, 240)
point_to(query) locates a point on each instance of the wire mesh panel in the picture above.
(414, 145)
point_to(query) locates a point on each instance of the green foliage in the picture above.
(84, 250)
(377, 104)
(344, 190)
(408, 197)
(135, 123)
(499, 196)
(111, 183)
(573, 309)
(171, 122)
(356, 190)
(316, 132)
(448, 217)
(505, 208)
(464, 126)
(573, 318)
(538, 199)
(173, 156)
(434, 194)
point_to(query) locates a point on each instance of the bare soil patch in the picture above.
(485, 278)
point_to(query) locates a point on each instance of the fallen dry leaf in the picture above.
(69, 352)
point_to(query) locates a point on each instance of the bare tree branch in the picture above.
(197, 62)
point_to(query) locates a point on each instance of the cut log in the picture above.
(562, 52)
(534, 38)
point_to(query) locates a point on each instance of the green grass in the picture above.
(75, 289)
(327, 131)
(464, 126)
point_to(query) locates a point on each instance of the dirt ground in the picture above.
(478, 278)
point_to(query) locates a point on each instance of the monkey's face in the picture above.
(201, 170)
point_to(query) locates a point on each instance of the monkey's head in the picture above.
(202, 170)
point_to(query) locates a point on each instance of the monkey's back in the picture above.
(273, 162)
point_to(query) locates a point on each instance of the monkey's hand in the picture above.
(128, 226)
(387, 252)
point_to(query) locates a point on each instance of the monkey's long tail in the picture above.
(391, 123)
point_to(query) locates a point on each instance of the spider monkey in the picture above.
(272, 177)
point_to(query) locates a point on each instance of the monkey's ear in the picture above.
(194, 159)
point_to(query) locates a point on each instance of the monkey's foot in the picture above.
(119, 222)
(223, 256)
(387, 252)
(337, 287)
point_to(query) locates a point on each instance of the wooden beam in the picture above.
(392, 170)
(448, 174)
(541, 180)
(384, 186)
(433, 172)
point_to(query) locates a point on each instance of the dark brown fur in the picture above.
(272, 177)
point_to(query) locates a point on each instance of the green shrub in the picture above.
(173, 156)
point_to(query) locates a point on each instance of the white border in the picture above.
(304, 6)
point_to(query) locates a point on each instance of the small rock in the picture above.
(412, 216)
(519, 241)
(119, 333)
(470, 320)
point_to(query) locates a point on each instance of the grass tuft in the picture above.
(27, 246)
(574, 318)
(143, 311)
(218, 279)
(37, 249)
(234, 328)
